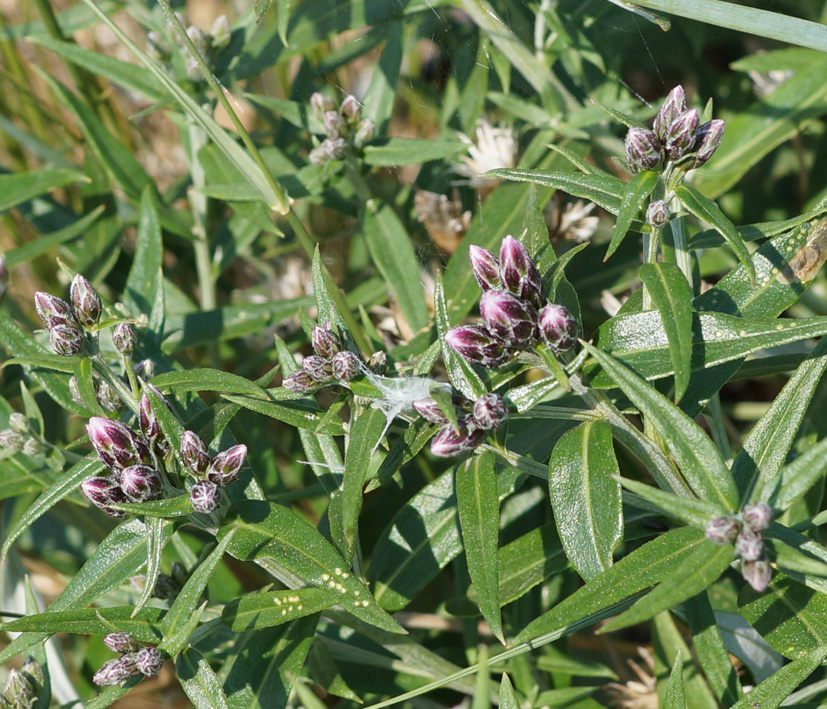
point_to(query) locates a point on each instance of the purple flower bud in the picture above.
(334, 124)
(195, 455)
(490, 412)
(722, 530)
(319, 368)
(67, 340)
(330, 149)
(113, 672)
(205, 496)
(757, 516)
(707, 141)
(558, 329)
(53, 311)
(346, 365)
(486, 268)
(300, 382)
(657, 213)
(326, 343)
(121, 643)
(680, 136)
(226, 466)
(430, 411)
(671, 108)
(508, 318)
(449, 443)
(147, 420)
(74, 391)
(351, 110)
(86, 303)
(378, 363)
(149, 661)
(107, 397)
(749, 545)
(12, 440)
(141, 483)
(124, 338)
(757, 574)
(364, 132)
(477, 345)
(518, 272)
(19, 691)
(117, 446)
(321, 104)
(643, 150)
(103, 492)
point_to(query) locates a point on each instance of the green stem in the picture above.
(680, 241)
(130, 374)
(515, 460)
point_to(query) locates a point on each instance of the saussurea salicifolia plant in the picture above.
(308, 399)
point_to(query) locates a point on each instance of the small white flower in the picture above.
(573, 222)
(495, 146)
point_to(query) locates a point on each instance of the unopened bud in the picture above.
(657, 213)
(321, 104)
(722, 530)
(485, 267)
(103, 492)
(643, 150)
(509, 318)
(449, 442)
(518, 272)
(757, 574)
(707, 141)
(680, 136)
(429, 410)
(121, 643)
(67, 340)
(350, 110)
(33, 672)
(114, 672)
(328, 150)
(166, 588)
(558, 328)
(319, 368)
(149, 661)
(124, 338)
(300, 382)
(757, 516)
(364, 132)
(12, 440)
(19, 692)
(205, 496)
(19, 422)
(194, 454)
(334, 125)
(378, 363)
(53, 311)
(145, 368)
(117, 445)
(74, 391)
(477, 345)
(34, 448)
(220, 32)
(226, 466)
(108, 398)
(671, 108)
(86, 303)
(346, 365)
(325, 342)
(490, 412)
(147, 420)
(749, 545)
(141, 483)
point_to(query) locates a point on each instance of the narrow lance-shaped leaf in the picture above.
(604, 190)
(634, 196)
(93, 621)
(585, 497)
(20, 187)
(691, 510)
(155, 541)
(797, 478)
(675, 697)
(199, 681)
(478, 506)
(265, 609)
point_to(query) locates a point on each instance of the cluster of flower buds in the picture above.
(209, 474)
(745, 532)
(343, 126)
(513, 314)
(208, 44)
(475, 421)
(19, 437)
(134, 660)
(23, 686)
(677, 138)
(64, 321)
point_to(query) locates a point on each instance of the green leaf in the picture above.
(155, 541)
(602, 189)
(702, 567)
(144, 625)
(299, 414)
(479, 516)
(672, 297)
(687, 509)
(695, 453)
(267, 530)
(145, 281)
(20, 187)
(528, 561)
(675, 697)
(392, 152)
(381, 94)
(658, 559)
(45, 242)
(797, 478)
(585, 497)
(704, 208)
(261, 7)
(265, 609)
(178, 506)
(206, 380)
(634, 196)
(199, 681)
(392, 253)
(508, 700)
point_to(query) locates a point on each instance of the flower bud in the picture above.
(33, 672)
(12, 440)
(430, 411)
(19, 422)
(350, 110)
(194, 454)
(107, 397)
(86, 303)
(103, 492)
(147, 420)
(378, 363)
(166, 588)
(145, 368)
(680, 136)
(757, 516)
(34, 448)
(722, 530)
(657, 213)
(179, 573)
(477, 345)
(757, 574)
(330, 149)
(707, 141)
(325, 342)
(346, 365)
(749, 545)
(490, 412)
(518, 272)
(364, 132)
(643, 150)
(74, 391)
(449, 443)
(117, 446)
(205, 496)
(113, 672)
(300, 382)
(124, 338)
(486, 268)
(53, 311)
(19, 692)
(220, 32)
(508, 318)
(671, 108)
(558, 329)
(67, 340)
(141, 483)
(226, 466)
(121, 643)
(334, 125)
(321, 104)
(319, 368)
(149, 661)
